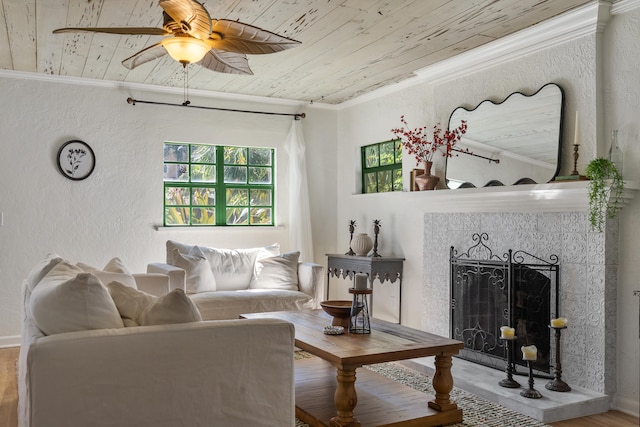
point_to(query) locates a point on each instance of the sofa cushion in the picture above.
(115, 265)
(199, 277)
(183, 248)
(276, 272)
(138, 308)
(172, 307)
(68, 299)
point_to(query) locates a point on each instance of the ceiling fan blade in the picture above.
(226, 62)
(192, 17)
(145, 55)
(244, 38)
(115, 30)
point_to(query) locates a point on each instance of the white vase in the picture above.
(361, 244)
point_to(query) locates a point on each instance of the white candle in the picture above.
(529, 352)
(575, 134)
(507, 332)
(560, 322)
(361, 281)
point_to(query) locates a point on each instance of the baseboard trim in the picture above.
(626, 405)
(10, 341)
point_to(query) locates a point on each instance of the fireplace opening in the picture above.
(487, 291)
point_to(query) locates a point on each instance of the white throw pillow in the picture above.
(68, 299)
(172, 307)
(183, 248)
(233, 268)
(130, 302)
(278, 272)
(115, 265)
(199, 277)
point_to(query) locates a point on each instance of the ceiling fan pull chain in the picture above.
(186, 84)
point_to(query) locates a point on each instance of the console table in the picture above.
(383, 268)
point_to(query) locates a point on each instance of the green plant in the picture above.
(599, 171)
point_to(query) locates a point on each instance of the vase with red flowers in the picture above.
(417, 142)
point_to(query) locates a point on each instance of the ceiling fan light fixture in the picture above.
(186, 50)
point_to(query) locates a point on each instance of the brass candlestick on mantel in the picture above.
(575, 159)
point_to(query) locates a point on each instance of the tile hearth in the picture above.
(483, 381)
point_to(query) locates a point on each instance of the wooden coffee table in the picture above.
(325, 400)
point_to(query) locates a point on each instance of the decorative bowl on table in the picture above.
(340, 310)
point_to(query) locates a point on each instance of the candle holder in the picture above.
(509, 382)
(360, 322)
(557, 384)
(531, 392)
(352, 228)
(376, 231)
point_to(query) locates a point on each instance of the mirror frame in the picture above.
(523, 180)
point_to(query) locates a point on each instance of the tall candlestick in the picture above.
(575, 134)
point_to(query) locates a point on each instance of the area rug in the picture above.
(476, 411)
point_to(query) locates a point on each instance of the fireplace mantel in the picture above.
(565, 196)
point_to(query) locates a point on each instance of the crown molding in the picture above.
(624, 6)
(207, 94)
(571, 25)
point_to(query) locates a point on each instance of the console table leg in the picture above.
(443, 384)
(345, 399)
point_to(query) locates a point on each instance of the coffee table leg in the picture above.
(443, 384)
(345, 398)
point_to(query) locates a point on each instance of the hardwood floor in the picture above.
(9, 400)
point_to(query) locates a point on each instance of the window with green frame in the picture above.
(207, 185)
(382, 167)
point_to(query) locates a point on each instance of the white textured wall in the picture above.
(572, 66)
(114, 211)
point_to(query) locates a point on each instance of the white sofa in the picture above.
(224, 283)
(90, 370)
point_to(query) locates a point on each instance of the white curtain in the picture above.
(299, 211)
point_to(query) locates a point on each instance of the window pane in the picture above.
(176, 196)
(176, 172)
(260, 216)
(370, 183)
(235, 174)
(176, 216)
(260, 198)
(259, 175)
(176, 152)
(203, 173)
(384, 181)
(371, 156)
(397, 180)
(203, 153)
(260, 156)
(398, 151)
(204, 196)
(235, 156)
(237, 216)
(203, 216)
(387, 153)
(237, 197)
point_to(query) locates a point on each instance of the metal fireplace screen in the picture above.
(487, 292)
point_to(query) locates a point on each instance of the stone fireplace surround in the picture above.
(541, 219)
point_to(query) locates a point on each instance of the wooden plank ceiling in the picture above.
(349, 47)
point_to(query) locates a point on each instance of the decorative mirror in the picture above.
(516, 141)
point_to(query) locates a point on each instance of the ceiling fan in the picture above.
(217, 44)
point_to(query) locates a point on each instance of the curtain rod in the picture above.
(296, 116)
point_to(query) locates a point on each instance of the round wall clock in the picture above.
(76, 160)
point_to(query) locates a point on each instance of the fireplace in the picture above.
(489, 291)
